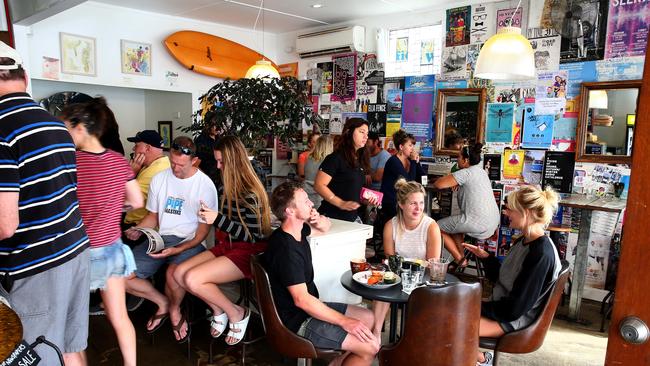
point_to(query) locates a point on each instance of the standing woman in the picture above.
(479, 214)
(245, 215)
(324, 146)
(405, 164)
(343, 173)
(525, 277)
(312, 138)
(105, 185)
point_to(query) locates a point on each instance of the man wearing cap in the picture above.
(43, 257)
(174, 200)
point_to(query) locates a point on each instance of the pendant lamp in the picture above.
(506, 55)
(262, 68)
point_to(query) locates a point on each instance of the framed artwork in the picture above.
(629, 138)
(165, 131)
(136, 58)
(78, 54)
(630, 119)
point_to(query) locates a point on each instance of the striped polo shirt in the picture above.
(37, 160)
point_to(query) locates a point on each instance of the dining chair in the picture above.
(441, 327)
(282, 339)
(529, 339)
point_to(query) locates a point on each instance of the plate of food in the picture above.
(376, 279)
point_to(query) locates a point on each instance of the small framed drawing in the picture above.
(165, 131)
(136, 58)
(78, 54)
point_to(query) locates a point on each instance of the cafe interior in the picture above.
(552, 89)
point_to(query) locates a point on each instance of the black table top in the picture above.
(392, 294)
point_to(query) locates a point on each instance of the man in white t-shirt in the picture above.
(175, 196)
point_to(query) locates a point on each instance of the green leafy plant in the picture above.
(255, 109)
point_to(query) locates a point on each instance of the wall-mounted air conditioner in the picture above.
(327, 42)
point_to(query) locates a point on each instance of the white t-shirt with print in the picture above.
(177, 202)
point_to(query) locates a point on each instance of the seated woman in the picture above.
(527, 273)
(312, 138)
(479, 214)
(324, 146)
(245, 215)
(411, 234)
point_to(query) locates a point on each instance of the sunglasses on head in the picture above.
(183, 149)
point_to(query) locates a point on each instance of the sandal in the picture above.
(455, 266)
(218, 323)
(238, 329)
(177, 329)
(162, 317)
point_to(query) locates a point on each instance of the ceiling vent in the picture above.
(328, 42)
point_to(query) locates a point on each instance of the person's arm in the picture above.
(378, 174)
(301, 167)
(389, 243)
(149, 221)
(320, 186)
(319, 224)
(448, 181)
(8, 214)
(201, 232)
(491, 264)
(434, 245)
(316, 309)
(233, 226)
(133, 199)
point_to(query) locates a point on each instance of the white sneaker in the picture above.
(488, 359)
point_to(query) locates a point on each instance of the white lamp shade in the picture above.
(262, 69)
(598, 99)
(506, 55)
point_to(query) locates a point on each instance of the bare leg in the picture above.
(175, 293)
(488, 328)
(359, 353)
(75, 359)
(452, 246)
(379, 309)
(114, 301)
(144, 288)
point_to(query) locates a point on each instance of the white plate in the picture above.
(362, 279)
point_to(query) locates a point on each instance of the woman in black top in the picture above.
(342, 173)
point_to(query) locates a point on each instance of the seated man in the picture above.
(289, 265)
(174, 201)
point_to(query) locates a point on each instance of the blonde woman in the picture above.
(411, 234)
(324, 146)
(527, 273)
(312, 139)
(244, 215)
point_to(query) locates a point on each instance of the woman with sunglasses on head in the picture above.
(105, 184)
(343, 173)
(479, 214)
(245, 216)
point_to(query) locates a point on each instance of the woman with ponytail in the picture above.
(479, 214)
(525, 277)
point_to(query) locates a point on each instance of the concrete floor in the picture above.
(565, 344)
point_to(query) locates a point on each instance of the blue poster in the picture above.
(394, 101)
(500, 117)
(578, 72)
(538, 130)
(424, 82)
(622, 68)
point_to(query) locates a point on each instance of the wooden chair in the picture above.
(530, 338)
(282, 339)
(441, 327)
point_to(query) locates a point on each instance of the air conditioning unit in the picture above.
(327, 42)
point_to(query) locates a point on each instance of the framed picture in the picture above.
(136, 58)
(629, 138)
(630, 119)
(78, 54)
(165, 131)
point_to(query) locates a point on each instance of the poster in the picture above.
(564, 134)
(344, 77)
(316, 76)
(473, 51)
(504, 16)
(417, 112)
(394, 101)
(426, 52)
(51, 68)
(483, 23)
(537, 129)
(377, 118)
(513, 163)
(533, 166)
(623, 68)
(547, 52)
(500, 117)
(558, 171)
(577, 73)
(457, 27)
(425, 82)
(454, 63)
(402, 49)
(627, 28)
(290, 69)
(492, 166)
(550, 92)
(326, 81)
(336, 124)
(507, 94)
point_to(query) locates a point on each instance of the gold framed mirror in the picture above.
(605, 130)
(460, 119)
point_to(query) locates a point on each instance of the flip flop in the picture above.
(238, 329)
(219, 324)
(177, 329)
(162, 317)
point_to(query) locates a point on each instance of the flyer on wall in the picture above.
(558, 171)
(326, 81)
(547, 52)
(513, 163)
(457, 27)
(622, 68)
(424, 82)
(394, 100)
(564, 134)
(627, 28)
(417, 112)
(377, 118)
(537, 129)
(344, 77)
(454, 63)
(550, 92)
(500, 117)
(483, 22)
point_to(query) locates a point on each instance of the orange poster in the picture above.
(288, 69)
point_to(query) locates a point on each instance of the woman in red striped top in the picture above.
(105, 184)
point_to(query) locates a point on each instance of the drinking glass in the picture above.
(438, 270)
(409, 281)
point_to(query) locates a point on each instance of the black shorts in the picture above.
(322, 334)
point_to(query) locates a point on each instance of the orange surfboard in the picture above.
(211, 55)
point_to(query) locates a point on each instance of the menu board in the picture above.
(558, 171)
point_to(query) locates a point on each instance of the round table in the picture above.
(392, 295)
(11, 331)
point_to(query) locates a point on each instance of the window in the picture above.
(414, 51)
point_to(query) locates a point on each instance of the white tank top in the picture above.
(412, 243)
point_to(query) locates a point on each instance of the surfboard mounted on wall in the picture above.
(211, 55)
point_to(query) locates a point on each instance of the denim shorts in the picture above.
(148, 266)
(323, 334)
(111, 260)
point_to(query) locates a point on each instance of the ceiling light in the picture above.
(262, 68)
(317, 6)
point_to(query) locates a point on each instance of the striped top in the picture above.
(233, 225)
(37, 160)
(102, 186)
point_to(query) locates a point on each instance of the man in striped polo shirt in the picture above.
(43, 256)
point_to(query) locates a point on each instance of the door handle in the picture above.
(634, 330)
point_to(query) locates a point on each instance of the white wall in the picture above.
(167, 106)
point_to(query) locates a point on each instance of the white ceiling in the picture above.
(280, 16)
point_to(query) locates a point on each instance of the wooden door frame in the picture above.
(633, 283)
